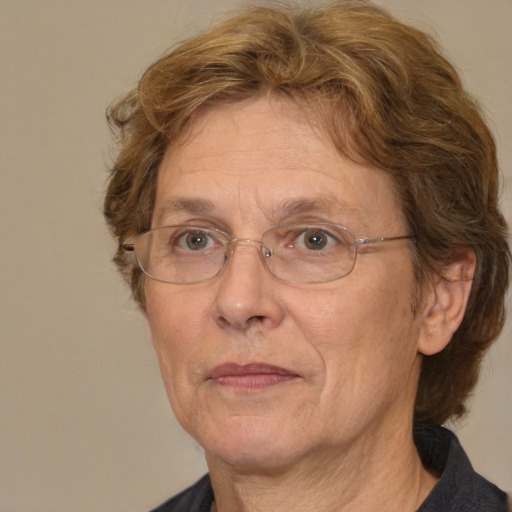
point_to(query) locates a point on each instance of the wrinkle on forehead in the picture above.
(270, 163)
(302, 207)
(306, 121)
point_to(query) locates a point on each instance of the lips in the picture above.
(249, 377)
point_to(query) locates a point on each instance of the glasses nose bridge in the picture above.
(231, 244)
(264, 251)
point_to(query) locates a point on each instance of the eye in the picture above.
(315, 239)
(195, 240)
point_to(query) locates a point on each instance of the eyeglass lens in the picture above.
(297, 253)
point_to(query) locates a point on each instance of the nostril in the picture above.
(255, 321)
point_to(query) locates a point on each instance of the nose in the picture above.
(246, 295)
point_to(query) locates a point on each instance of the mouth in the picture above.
(250, 377)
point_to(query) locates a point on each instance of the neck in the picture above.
(385, 476)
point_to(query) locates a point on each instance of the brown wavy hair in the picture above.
(387, 98)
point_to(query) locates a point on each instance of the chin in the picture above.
(253, 446)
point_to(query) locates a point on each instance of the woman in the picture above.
(311, 199)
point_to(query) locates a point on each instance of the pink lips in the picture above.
(254, 376)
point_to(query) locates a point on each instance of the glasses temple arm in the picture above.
(366, 241)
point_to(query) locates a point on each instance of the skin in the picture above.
(336, 432)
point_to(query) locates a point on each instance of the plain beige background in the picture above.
(85, 424)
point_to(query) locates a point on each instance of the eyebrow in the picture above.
(195, 206)
(302, 206)
(281, 212)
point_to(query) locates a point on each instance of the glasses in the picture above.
(297, 253)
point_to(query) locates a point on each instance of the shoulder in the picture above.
(197, 498)
(460, 488)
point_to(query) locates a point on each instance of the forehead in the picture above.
(267, 155)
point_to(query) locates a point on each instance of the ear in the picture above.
(444, 303)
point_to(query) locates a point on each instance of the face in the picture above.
(263, 372)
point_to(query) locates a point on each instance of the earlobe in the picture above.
(445, 303)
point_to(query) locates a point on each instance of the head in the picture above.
(384, 96)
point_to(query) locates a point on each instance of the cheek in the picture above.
(174, 325)
(360, 326)
(176, 322)
(367, 344)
